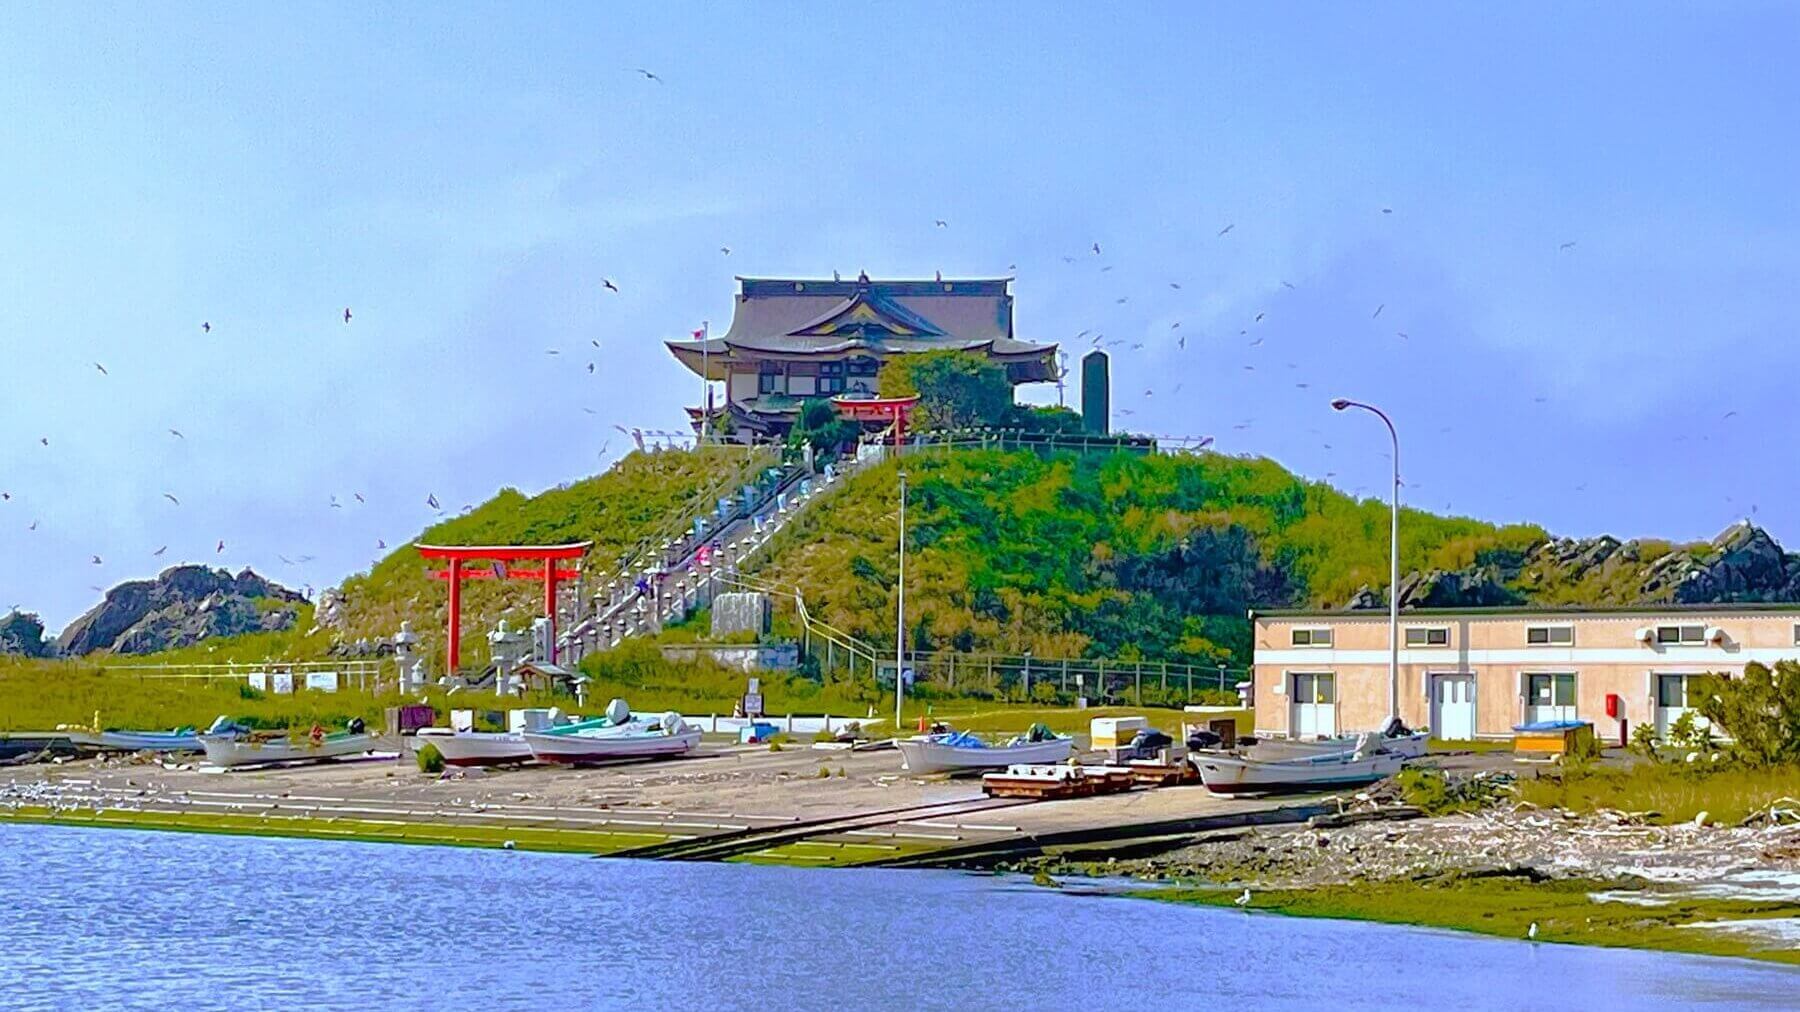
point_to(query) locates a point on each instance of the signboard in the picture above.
(282, 683)
(322, 681)
(259, 680)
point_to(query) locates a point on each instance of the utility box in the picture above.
(1114, 732)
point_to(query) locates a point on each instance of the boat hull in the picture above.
(1228, 774)
(595, 748)
(921, 755)
(232, 750)
(475, 748)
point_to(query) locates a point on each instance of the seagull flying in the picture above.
(941, 223)
(359, 497)
(159, 551)
(205, 327)
(1378, 310)
(102, 369)
(97, 560)
(648, 76)
(220, 548)
(609, 286)
(432, 501)
(1096, 249)
(346, 314)
(1227, 228)
(1566, 246)
(176, 433)
(171, 498)
(725, 250)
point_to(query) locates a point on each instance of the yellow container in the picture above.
(1553, 741)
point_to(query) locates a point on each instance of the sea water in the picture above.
(107, 918)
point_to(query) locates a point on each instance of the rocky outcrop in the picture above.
(1742, 564)
(182, 606)
(22, 635)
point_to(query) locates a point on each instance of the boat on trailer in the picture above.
(1224, 773)
(587, 742)
(960, 751)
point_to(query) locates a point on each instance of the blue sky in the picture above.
(463, 179)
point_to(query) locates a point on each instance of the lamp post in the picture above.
(1342, 404)
(900, 616)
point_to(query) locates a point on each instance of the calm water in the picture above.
(115, 918)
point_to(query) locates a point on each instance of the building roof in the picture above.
(1528, 611)
(807, 317)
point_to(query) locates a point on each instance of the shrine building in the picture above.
(792, 340)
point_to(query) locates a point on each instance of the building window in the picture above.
(769, 379)
(1797, 634)
(1681, 634)
(864, 366)
(1438, 637)
(1672, 691)
(1550, 697)
(1550, 635)
(1312, 637)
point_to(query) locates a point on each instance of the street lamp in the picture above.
(900, 616)
(1342, 404)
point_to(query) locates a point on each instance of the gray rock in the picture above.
(183, 605)
(22, 635)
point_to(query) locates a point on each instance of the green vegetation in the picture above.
(956, 389)
(622, 511)
(577, 841)
(1433, 793)
(1564, 910)
(1125, 556)
(1674, 792)
(38, 695)
(1760, 711)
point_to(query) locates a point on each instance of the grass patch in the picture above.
(572, 841)
(1677, 792)
(37, 697)
(1506, 906)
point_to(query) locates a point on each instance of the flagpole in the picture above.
(705, 383)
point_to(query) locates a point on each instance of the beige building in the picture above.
(1475, 673)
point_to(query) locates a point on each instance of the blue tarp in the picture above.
(1551, 725)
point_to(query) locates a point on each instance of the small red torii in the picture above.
(549, 555)
(866, 409)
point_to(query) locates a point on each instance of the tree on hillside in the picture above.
(820, 427)
(1760, 711)
(956, 389)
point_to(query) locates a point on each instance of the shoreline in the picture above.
(1627, 915)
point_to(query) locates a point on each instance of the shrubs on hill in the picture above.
(1759, 711)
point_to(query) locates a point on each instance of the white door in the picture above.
(1672, 702)
(1314, 705)
(1549, 697)
(1453, 707)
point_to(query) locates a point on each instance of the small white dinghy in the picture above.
(588, 743)
(475, 748)
(1234, 774)
(238, 749)
(961, 751)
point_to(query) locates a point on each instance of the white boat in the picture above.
(180, 740)
(588, 743)
(246, 750)
(958, 752)
(1234, 774)
(476, 748)
(1407, 746)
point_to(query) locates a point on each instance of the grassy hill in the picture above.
(1122, 555)
(621, 510)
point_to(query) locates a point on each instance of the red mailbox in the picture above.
(1613, 706)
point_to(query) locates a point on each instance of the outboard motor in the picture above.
(1201, 739)
(356, 725)
(618, 712)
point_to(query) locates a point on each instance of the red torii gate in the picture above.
(872, 409)
(549, 555)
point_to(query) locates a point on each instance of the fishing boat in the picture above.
(1223, 773)
(232, 748)
(960, 751)
(476, 748)
(184, 739)
(590, 742)
(1407, 746)
(23, 746)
